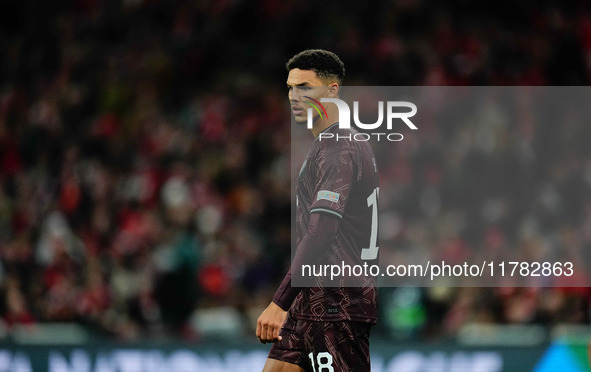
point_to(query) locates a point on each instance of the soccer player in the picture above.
(323, 329)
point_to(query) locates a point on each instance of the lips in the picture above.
(297, 110)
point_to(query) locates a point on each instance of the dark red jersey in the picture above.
(340, 178)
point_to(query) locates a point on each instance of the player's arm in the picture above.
(321, 232)
(332, 185)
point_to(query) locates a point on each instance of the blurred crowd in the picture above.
(145, 163)
(490, 177)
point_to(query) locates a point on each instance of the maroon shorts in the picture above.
(342, 345)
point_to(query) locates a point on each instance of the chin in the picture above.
(300, 120)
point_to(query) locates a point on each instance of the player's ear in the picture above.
(333, 90)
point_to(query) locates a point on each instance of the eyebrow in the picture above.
(300, 85)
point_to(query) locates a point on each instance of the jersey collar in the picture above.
(326, 130)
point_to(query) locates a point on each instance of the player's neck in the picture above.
(324, 122)
(321, 125)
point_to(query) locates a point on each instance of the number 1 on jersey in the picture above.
(371, 253)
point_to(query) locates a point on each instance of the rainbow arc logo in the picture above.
(317, 106)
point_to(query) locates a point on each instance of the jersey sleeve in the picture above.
(285, 294)
(335, 171)
(321, 232)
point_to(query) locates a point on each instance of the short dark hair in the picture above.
(325, 64)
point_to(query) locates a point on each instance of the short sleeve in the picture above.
(334, 178)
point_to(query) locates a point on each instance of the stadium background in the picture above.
(144, 163)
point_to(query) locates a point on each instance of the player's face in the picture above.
(302, 84)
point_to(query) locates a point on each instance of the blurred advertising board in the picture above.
(219, 357)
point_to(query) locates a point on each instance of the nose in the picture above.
(294, 95)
